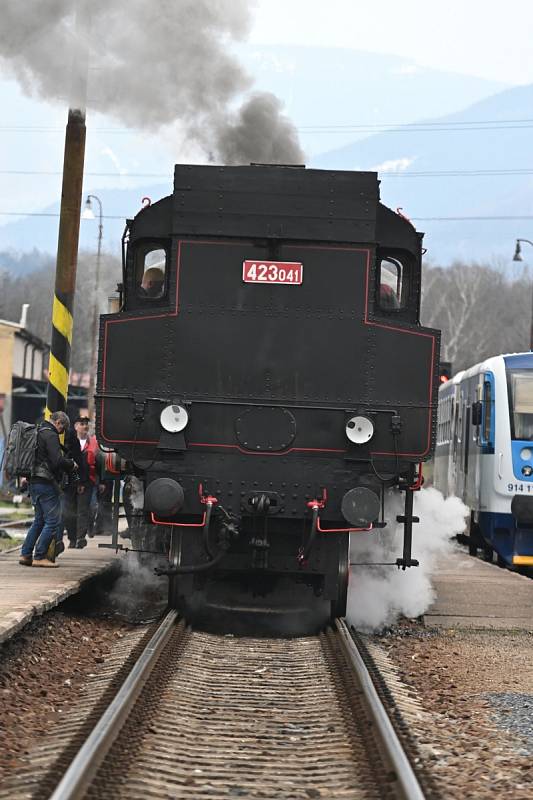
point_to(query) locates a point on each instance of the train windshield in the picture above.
(521, 404)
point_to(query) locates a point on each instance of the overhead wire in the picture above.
(464, 218)
(368, 127)
(385, 174)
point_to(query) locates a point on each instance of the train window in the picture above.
(487, 412)
(521, 384)
(150, 271)
(444, 421)
(390, 284)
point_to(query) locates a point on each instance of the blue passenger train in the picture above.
(484, 454)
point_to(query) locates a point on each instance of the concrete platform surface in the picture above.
(474, 594)
(26, 592)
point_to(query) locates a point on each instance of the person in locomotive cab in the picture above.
(387, 298)
(49, 466)
(153, 282)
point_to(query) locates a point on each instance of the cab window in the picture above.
(151, 271)
(390, 284)
(521, 402)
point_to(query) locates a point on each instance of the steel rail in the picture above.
(14, 523)
(85, 765)
(407, 781)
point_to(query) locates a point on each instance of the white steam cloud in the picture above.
(138, 594)
(378, 595)
(136, 493)
(151, 65)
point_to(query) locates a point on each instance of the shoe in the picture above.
(71, 544)
(60, 548)
(90, 535)
(26, 561)
(43, 562)
(81, 543)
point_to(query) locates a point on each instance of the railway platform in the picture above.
(26, 592)
(471, 593)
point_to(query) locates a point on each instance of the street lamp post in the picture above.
(518, 257)
(88, 214)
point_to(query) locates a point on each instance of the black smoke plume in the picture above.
(152, 64)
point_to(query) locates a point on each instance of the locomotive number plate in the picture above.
(272, 272)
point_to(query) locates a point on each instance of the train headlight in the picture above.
(174, 419)
(359, 430)
(527, 471)
(525, 454)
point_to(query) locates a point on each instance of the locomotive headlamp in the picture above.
(174, 419)
(525, 454)
(359, 430)
(527, 471)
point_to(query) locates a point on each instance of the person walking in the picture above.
(47, 473)
(87, 485)
(70, 492)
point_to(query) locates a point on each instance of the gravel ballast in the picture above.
(43, 670)
(475, 689)
(468, 702)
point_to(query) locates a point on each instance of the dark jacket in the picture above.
(50, 463)
(73, 450)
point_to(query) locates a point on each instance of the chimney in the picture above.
(24, 315)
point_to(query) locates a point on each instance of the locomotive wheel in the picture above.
(338, 605)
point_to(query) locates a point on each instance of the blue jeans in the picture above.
(47, 504)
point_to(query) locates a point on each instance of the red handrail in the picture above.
(180, 524)
(340, 530)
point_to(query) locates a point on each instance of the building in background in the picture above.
(23, 377)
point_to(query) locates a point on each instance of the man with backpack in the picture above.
(46, 475)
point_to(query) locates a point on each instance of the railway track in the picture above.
(215, 716)
(9, 522)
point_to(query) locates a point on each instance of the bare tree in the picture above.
(480, 311)
(37, 289)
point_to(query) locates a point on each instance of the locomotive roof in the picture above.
(275, 202)
(281, 202)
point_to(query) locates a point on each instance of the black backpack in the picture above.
(20, 452)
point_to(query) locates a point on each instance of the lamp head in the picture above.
(88, 210)
(518, 250)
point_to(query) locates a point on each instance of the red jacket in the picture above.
(89, 452)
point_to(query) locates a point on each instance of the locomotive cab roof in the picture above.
(278, 202)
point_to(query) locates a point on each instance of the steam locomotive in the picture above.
(267, 379)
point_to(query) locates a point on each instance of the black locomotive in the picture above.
(268, 380)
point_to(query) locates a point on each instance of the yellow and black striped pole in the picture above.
(67, 260)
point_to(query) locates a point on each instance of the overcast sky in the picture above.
(476, 37)
(486, 38)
